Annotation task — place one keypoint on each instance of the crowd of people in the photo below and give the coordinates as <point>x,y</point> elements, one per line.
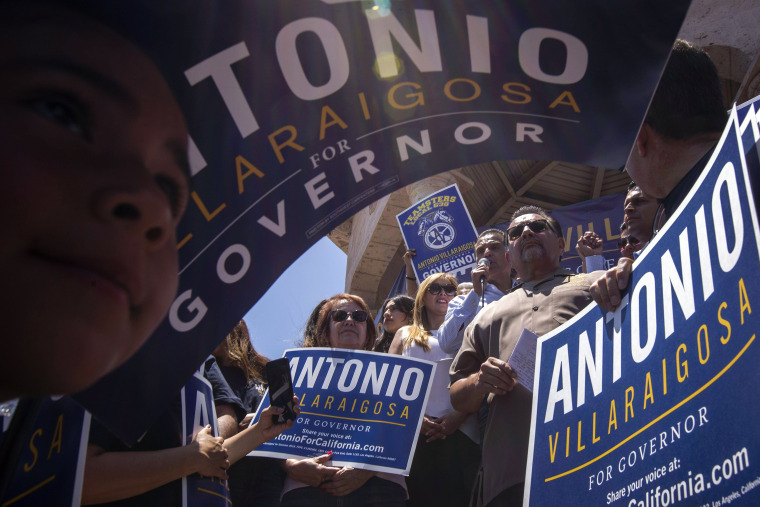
<point>473,444</point>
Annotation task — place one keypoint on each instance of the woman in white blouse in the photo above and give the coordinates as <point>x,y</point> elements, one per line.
<point>447,456</point>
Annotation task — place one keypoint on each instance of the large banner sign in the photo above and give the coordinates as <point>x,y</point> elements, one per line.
<point>440,228</point>
<point>602,216</point>
<point>303,112</point>
<point>656,404</point>
<point>365,407</point>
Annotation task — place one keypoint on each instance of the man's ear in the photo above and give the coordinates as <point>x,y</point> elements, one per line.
<point>643,139</point>
<point>561,240</point>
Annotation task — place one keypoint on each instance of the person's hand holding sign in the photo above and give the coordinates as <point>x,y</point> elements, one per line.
<point>310,471</point>
<point>441,427</point>
<point>431,429</point>
<point>495,376</point>
<point>347,480</point>
<point>211,456</point>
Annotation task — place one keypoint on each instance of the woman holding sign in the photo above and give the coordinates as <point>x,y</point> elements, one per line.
<point>344,322</point>
<point>447,456</point>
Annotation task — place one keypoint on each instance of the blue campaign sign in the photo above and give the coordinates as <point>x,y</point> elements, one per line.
<point>440,228</point>
<point>365,407</point>
<point>198,410</point>
<point>602,216</point>
<point>655,404</point>
<point>51,467</point>
<point>302,112</point>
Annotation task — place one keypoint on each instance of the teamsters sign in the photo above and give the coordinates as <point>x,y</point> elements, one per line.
<point>656,404</point>
<point>365,407</point>
<point>440,229</point>
<point>303,112</point>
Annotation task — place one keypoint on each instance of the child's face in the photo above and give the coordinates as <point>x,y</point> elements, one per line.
<point>94,172</point>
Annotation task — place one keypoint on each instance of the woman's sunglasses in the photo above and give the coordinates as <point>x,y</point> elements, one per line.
<point>630,240</point>
<point>537,226</point>
<point>436,288</point>
<point>341,315</point>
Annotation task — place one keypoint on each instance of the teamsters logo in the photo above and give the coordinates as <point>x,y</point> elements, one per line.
<point>437,229</point>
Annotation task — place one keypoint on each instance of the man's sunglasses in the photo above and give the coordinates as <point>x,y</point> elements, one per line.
<point>436,288</point>
<point>341,315</point>
<point>630,240</point>
<point>537,226</point>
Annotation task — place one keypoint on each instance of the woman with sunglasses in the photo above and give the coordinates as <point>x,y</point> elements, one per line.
<point>447,455</point>
<point>344,322</point>
<point>397,313</point>
<point>628,244</point>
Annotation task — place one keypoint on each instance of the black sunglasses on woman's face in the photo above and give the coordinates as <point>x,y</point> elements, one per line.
<point>436,288</point>
<point>356,315</point>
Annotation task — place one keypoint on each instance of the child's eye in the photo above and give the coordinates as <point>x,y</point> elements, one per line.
<point>66,112</point>
<point>175,192</point>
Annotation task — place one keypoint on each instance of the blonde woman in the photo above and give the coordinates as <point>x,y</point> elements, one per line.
<point>447,455</point>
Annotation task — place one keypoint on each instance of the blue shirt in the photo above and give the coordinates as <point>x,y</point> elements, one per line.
<point>462,310</point>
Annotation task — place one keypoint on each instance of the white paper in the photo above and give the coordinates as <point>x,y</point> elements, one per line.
<point>523,358</point>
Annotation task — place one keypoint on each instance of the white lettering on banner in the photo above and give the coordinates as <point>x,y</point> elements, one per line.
<point>416,386</point>
<point>485,133</point>
<point>357,372</point>
<point>639,352</point>
<point>644,307</point>
<point>362,161</point>
<point>308,371</point>
<point>221,263</point>
<point>219,68</point>
<point>384,31</point>
<point>427,57</point>
<point>477,34</point>
<point>422,147</point>
<point>290,63</point>
<point>319,193</point>
<point>201,417</point>
<point>196,306</point>
<point>727,258</point>
<point>529,130</point>
<point>343,386</point>
<point>374,377</point>
<point>276,227</point>
<point>684,288</point>
<point>590,362</point>
<point>529,49</point>
<point>195,157</point>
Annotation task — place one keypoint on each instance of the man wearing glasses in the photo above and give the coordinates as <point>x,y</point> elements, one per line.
<point>683,124</point>
<point>490,281</point>
<point>545,298</point>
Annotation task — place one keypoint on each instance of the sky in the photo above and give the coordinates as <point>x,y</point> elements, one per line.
<point>279,317</point>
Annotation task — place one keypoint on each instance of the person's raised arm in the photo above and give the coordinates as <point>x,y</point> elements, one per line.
<point>590,248</point>
<point>411,280</point>
<point>461,311</point>
<point>227,420</point>
<point>111,476</point>
<point>238,446</point>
